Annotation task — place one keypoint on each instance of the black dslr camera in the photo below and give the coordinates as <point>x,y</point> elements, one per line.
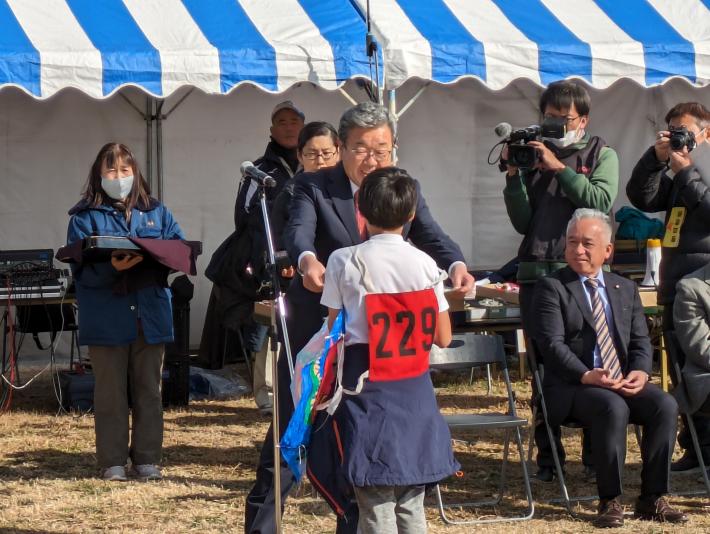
<point>680,137</point>
<point>520,154</point>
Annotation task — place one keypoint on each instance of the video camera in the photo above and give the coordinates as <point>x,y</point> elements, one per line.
<point>680,137</point>
<point>520,154</point>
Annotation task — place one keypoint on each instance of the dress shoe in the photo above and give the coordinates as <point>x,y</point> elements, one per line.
<point>687,462</point>
<point>658,509</point>
<point>547,474</point>
<point>610,514</point>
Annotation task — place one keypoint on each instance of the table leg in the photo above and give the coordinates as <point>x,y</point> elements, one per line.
<point>522,351</point>
<point>664,364</point>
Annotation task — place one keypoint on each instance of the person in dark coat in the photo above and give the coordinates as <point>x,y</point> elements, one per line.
<point>236,268</point>
<point>667,180</point>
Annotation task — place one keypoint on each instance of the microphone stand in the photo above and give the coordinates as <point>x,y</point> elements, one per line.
<point>277,305</point>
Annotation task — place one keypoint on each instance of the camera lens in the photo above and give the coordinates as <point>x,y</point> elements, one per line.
<point>677,142</point>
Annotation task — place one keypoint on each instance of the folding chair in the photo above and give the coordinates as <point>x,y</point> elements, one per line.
<point>479,350</point>
<point>460,366</point>
<point>564,494</point>
<point>674,349</point>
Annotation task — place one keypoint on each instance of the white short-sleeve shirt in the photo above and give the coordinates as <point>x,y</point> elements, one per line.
<point>394,265</point>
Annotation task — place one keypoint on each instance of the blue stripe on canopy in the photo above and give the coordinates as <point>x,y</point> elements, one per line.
<point>454,50</point>
<point>19,60</point>
<point>561,54</point>
<point>340,24</point>
<point>244,54</point>
<point>126,54</point>
<point>665,51</point>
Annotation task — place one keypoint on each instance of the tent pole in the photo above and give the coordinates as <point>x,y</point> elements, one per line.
<point>392,108</point>
<point>159,147</point>
<point>149,139</point>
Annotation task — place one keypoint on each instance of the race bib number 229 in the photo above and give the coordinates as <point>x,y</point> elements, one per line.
<point>401,329</point>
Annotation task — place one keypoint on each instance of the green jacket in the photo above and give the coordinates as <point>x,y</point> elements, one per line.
<point>540,204</point>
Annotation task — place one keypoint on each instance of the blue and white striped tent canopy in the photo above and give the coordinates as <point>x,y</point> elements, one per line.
<point>99,46</point>
<point>499,41</point>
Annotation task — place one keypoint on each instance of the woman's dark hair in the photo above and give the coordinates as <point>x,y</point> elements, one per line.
<point>561,95</point>
<point>316,129</point>
<point>387,197</point>
<point>696,110</point>
<point>112,153</point>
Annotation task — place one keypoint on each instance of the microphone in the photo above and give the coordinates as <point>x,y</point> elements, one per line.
<point>503,129</point>
<point>259,176</point>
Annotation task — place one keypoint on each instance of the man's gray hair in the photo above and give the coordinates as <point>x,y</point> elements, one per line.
<point>364,115</point>
<point>588,213</point>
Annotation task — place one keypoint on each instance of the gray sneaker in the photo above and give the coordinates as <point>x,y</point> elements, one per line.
<point>147,472</point>
<point>115,473</point>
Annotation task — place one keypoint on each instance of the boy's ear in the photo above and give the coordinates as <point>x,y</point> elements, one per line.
<point>411,217</point>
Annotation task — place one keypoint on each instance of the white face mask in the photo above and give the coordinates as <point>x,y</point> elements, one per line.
<point>570,138</point>
<point>117,189</point>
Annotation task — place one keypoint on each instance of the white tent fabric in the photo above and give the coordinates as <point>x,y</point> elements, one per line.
<point>46,149</point>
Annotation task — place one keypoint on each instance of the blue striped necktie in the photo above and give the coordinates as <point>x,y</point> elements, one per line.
<point>607,350</point>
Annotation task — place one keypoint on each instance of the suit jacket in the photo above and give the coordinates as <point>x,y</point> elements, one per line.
<point>565,335</point>
<point>691,316</point>
<point>322,219</point>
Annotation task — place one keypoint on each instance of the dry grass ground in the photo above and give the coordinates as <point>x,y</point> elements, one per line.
<point>48,477</point>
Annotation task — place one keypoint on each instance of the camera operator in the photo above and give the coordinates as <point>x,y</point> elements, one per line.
<point>665,179</point>
<point>575,171</point>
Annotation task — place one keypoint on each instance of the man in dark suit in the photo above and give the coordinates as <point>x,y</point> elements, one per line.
<point>592,333</point>
<point>323,218</point>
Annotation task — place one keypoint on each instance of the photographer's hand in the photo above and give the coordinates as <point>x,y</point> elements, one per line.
<point>662,146</point>
<point>547,159</point>
<point>512,169</point>
<point>680,159</point>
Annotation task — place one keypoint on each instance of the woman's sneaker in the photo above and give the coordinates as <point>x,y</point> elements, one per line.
<point>147,472</point>
<point>115,473</point>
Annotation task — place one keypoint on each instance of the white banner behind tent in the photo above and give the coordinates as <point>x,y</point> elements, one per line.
<point>444,139</point>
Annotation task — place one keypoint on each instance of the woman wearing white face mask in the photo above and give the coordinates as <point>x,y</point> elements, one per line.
<point>126,331</point>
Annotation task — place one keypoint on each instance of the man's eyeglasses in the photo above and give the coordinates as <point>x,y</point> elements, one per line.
<point>325,154</point>
<point>568,119</point>
<point>380,154</point>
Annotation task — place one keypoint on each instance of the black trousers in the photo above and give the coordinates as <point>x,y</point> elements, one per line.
<point>606,414</point>
<point>702,422</point>
<point>259,515</point>
<point>542,439</point>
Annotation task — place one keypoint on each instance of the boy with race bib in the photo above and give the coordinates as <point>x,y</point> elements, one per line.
<point>392,438</point>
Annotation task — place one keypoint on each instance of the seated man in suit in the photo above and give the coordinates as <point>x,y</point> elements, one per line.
<point>691,316</point>
<point>592,333</point>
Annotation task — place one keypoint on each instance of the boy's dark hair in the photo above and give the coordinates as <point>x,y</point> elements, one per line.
<point>561,95</point>
<point>387,197</point>
<point>696,110</point>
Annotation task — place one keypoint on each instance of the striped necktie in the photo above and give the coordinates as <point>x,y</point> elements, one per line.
<point>607,350</point>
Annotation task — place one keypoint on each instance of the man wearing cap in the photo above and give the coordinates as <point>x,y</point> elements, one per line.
<point>280,162</point>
